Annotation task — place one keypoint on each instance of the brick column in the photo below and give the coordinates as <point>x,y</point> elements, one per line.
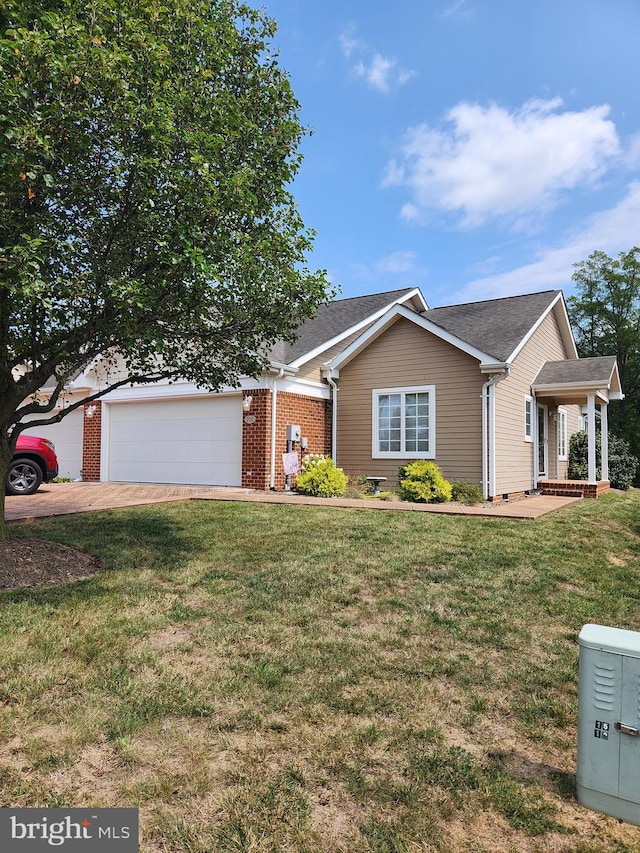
<point>91,441</point>
<point>313,416</point>
<point>256,440</point>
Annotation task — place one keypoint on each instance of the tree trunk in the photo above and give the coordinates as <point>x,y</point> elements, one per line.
<point>5,457</point>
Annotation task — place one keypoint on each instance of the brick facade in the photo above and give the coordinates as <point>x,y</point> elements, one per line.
<point>574,488</point>
<point>256,441</point>
<point>312,415</point>
<point>91,443</point>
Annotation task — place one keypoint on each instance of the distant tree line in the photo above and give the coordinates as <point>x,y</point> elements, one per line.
<point>605,315</point>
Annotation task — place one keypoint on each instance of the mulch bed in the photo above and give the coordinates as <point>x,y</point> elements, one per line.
<point>29,563</point>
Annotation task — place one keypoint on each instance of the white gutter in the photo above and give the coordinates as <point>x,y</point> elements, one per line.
<point>274,407</point>
<point>334,415</point>
<point>489,432</point>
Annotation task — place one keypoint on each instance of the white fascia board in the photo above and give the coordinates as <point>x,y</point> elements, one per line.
<point>496,367</point>
<point>566,333</point>
<point>166,391</point>
<point>305,387</point>
<point>567,387</point>
<point>391,316</point>
<point>413,294</point>
<point>287,369</point>
<point>186,390</point>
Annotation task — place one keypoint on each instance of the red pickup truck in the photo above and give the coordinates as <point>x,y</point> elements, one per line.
<point>34,461</point>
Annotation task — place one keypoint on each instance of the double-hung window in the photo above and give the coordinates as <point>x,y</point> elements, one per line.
<point>404,422</point>
<point>528,418</point>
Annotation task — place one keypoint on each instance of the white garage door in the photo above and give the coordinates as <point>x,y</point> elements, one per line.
<point>176,441</point>
<point>67,437</point>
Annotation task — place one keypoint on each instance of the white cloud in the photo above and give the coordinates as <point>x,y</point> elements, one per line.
<point>611,231</point>
<point>397,262</point>
<point>458,10</point>
<point>377,72</point>
<point>400,264</point>
<point>349,44</point>
<point>632,154</point>
<point>380,72</point>
<point>491,163</point>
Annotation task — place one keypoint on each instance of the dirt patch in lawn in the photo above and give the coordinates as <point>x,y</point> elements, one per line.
<point>28,563</point>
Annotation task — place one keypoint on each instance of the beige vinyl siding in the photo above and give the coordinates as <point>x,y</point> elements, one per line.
<point>402,356</point>
<point>312,370</point>
<point>514,455</point>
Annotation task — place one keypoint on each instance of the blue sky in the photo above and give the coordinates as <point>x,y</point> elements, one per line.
<point>473,148</point>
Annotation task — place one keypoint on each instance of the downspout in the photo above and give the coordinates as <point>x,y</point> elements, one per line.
<point>334,416</point>
<point>274,407</point>
<point>489,432</point>
<point>485,460</point>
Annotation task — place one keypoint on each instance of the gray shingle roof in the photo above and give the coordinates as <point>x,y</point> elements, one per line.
<point>332,320</point>
<point>495,326</point>
<point>594,371</point>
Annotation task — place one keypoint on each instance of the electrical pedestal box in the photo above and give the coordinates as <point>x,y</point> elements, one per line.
<point>608,766</point>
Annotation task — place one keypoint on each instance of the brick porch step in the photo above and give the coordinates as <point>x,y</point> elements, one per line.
<point>573,488</point>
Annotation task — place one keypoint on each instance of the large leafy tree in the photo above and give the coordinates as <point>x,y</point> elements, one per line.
<point>146,155</point>
<point>605,314</point>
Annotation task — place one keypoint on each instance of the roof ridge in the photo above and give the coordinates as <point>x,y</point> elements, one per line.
<point>496,299</point>
<point>372,295</point>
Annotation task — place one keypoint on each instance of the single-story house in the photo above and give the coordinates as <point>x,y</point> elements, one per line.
<point>490,391</point>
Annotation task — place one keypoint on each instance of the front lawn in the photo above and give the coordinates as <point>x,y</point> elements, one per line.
<point>291,679</point>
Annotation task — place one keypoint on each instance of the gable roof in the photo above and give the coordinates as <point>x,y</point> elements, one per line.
<point>498,327</point>
<point>493,331</point>
<point>339,319</point>
<point>588,374</point>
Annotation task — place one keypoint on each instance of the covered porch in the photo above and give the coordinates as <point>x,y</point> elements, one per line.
<point>590,384</point>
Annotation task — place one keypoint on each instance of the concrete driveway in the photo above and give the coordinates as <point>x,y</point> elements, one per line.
<point>68,498</point>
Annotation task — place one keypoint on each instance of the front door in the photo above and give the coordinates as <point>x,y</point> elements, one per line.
<point>543,441</point>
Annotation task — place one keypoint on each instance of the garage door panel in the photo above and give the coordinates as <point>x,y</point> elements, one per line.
<point>177,473</point>
<point>170,451</point>
<point>176,410</point>
<point>172,430</point>
<point>177,441</point>
<point>67,437</point>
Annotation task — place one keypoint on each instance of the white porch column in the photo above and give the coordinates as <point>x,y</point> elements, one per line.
<point>591,433</point>
<point>535,432</point>
<point>604,435</point>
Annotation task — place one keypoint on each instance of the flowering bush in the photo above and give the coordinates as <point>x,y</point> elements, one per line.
<point>422,482</point>
<point>320,477</point>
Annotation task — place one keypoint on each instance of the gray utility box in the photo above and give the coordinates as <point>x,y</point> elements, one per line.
<point>608,771</point>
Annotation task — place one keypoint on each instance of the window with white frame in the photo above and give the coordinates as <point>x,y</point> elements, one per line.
<point>404,422</point>
<point>561,426</point>
<point>528,418</point>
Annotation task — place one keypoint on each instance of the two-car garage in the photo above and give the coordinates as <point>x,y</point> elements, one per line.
<point>185,441</point>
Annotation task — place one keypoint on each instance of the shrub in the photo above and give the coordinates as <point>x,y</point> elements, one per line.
<point>422,482</point>
<point>320,478</point>
<point>622,464</point>
<point>465,492</point>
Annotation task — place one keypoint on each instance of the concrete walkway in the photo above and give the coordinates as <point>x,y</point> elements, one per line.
<point>68,498</point>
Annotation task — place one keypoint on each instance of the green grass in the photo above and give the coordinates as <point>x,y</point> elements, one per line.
<point>268,679</point>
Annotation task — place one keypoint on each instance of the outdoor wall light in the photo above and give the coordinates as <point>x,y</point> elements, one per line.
<point>90,411</point>
<point>246,403</point>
